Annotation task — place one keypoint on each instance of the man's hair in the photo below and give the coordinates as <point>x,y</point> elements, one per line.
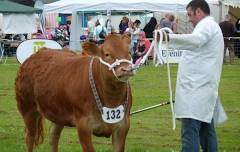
<point>202,4</point>
<point>137,22</point>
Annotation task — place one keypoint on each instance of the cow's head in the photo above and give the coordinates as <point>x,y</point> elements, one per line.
<point>115,54</point>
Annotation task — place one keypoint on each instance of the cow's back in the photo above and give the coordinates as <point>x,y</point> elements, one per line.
<point>53,80</point>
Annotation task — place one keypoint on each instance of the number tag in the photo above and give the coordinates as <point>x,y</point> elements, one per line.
<point>113,115</point>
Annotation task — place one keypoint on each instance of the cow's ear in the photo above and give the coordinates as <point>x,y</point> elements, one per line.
<point>90,48</point>
<point>126,38</point>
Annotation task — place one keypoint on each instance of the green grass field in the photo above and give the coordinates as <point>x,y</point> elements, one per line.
<point>151,131</point>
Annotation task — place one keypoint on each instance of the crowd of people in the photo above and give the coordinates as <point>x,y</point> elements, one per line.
<point>133,30</point>
<point>140,38</point>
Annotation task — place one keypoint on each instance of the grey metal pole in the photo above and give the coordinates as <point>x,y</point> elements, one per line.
<point>220,15</point>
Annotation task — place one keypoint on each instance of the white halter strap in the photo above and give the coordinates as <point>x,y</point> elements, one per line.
<point>115,64</point>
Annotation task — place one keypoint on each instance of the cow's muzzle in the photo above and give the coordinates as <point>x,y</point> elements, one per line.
<point>123,72</point>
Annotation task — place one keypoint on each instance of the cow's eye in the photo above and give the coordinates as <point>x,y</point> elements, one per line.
<point>106,55</point>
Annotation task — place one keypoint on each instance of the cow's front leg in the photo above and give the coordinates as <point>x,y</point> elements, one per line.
<point>55,132</point>
<point>85,135</point>
<point>119,136</point>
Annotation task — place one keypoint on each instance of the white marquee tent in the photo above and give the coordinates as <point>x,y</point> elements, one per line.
<point>16,18</point>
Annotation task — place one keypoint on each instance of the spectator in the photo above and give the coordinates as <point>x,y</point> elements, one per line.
<point>228,31</point>
<point>135,34</point>
<point>1,34</point>
<point>237,43</point>
<point>157,27</point>
<point>108,26</point>
<point>150,27</point>
<point>165,22</point>
<point>238,25</point>
<point>98,28</point>
<point>68,27</point>
<point>37,35</point>
<point>123,25</point>
<point>173,23</point>
<point>90,27</point>
<point>143,46</point>
<point>129,32</point>
<point>49,35</point>
<point>130,27</point>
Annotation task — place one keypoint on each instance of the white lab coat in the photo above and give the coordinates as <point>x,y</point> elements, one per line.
<point>199,70</point>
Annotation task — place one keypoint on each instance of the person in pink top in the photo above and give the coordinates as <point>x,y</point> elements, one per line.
<point>143,46</point>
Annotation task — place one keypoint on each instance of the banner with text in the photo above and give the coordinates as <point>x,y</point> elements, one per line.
<point>29,47</point>
<point>174,56</point>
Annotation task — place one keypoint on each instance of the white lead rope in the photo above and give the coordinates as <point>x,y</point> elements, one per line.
<point>170,83</point>
<point>157,55</point>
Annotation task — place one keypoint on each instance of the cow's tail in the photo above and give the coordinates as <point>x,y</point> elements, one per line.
<point>39,131</point>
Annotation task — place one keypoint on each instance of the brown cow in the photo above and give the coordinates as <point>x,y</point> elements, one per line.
<point>62,86</point>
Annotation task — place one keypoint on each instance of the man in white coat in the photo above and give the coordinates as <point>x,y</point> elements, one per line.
<point>198,78</point>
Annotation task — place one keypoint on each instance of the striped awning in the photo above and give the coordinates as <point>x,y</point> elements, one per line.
<point>233,3</point>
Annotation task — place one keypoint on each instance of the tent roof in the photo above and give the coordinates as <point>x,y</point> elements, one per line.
<point>233,3</point>
<point>68,6</point>
<point>11,7</point>
<point>131,7</point>
<point>68,2</point>
<point>32,2</point>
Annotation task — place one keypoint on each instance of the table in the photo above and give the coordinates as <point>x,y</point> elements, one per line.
<point>11,43</point>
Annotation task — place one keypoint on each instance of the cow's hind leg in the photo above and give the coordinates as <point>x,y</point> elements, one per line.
<point>55,133</point>
<point>34,129</point>
<point>33,121</point>
<point>85,135</point>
